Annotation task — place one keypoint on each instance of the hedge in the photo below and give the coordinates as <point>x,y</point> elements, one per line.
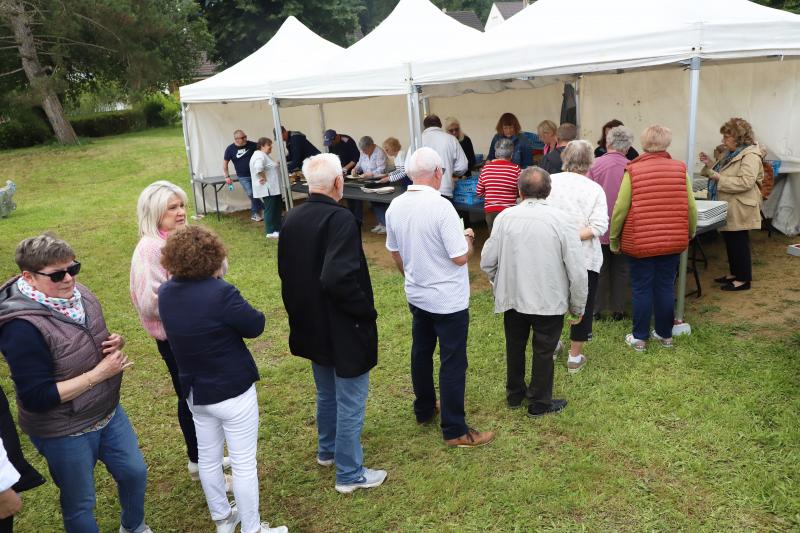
<point>109,123</point>
<point>24,128</point>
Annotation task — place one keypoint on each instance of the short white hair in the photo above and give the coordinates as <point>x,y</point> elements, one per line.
<point>423,163</point>
<point>577,157</point>
<point>620,139</point>
<point>321,170</point>
<point>153,203</point>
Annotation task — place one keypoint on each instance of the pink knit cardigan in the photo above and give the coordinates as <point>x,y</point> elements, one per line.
<point>147,275</point>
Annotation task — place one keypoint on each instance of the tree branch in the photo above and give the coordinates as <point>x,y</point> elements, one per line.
<point>11,72</point>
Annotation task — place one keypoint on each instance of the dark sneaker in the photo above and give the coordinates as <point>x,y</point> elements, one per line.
<point>514,404</point>
<point>536,410</point>
<point>471,439</point>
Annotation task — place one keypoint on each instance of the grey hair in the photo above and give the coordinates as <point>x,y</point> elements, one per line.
<point>619,138</point>
<point>35,253</point>
<point>534,182</point>
<point>153,203</point>
<point>504,148</point>
<point>365,142</point>
<point>577,157</point>
<point>321,170</point>
<point>423,163</point>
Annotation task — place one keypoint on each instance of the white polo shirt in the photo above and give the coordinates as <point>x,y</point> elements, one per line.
<point>453,157</point>
<point>425,229</point>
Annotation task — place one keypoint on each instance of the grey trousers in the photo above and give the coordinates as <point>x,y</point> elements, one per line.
<point>614,288</point>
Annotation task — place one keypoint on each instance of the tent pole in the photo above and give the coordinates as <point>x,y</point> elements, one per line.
<point>410,108</point>
<point>189,156</point>
<point>285,184</point>
<point>681,327</point>
<point>417,117</point>
<point>322,120</point>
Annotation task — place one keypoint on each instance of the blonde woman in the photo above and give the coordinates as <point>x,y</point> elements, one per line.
<point>546,130</point>
<point>453,127</point>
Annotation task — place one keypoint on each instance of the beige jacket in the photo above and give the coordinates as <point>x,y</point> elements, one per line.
<point>738,185</point>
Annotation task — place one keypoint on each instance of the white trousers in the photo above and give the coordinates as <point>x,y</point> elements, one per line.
<point>234,421</point>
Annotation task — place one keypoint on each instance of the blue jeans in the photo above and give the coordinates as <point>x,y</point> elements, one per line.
<point>451,330</point>
<point>380,212</point>
<point>341,404</point>
<point>255,203</point>
<point>71,461</point>
<point>652,292</point>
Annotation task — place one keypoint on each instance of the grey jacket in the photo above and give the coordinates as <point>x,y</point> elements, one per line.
<point>75,349</point>
<point>535,262</point>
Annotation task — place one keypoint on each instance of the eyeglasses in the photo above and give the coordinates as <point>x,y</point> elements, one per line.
<point>453,130</point>
<point>59,275</point>
<point>240,138</point>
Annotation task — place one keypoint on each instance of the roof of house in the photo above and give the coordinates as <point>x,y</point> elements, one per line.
<point>509,9</point>
<point>206,68</point>
<point>467,18</point>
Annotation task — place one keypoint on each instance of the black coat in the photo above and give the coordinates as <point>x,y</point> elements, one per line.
<point>551,162</point>
<point>326,287</point>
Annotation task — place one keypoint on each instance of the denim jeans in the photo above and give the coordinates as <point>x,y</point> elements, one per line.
<point>255,203</point>
<point>652,288</point>
<point>71,461</point>
<point>184,414</point>
<point>380,212</point>
<point>451,330</point>
<point>273,207</point>
<point>341,404</point>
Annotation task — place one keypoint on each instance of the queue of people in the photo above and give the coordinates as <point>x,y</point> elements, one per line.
<point>552,249</point>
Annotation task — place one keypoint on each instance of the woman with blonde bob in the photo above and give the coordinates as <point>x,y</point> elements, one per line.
<point>652,221</point>
<point>546,130</point>
<point>161,210</point>
<point>453,127</point>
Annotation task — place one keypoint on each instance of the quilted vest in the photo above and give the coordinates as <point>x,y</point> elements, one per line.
<point>75,349</point>
<point>658,220</point>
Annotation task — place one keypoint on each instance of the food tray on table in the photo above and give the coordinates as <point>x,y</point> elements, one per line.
<point>379,189</point>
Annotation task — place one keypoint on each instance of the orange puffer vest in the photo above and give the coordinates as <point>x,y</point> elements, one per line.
<point>658,220</point>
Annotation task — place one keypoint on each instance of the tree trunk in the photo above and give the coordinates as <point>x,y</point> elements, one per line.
<point>20,21</point>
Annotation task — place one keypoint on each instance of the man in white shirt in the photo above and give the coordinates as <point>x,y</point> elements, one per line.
<point>431,249</point>
<point>454,160</point>
<point>536,266</point>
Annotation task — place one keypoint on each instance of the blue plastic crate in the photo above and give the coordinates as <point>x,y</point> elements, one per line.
<point>465,185</point>
<point>776,165</point>
<point>467,199</point>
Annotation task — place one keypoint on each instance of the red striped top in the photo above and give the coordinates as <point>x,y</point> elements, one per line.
<point>498,185</point>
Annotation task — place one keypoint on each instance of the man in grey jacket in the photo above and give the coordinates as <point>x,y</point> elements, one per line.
<point>535,263</point>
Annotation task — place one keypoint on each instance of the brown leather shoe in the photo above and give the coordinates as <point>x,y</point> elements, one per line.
<point>471,439</point>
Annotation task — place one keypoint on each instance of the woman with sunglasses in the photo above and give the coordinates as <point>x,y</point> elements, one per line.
<point>453,127</point>
<point>67,370</point>
<point>161,211</point>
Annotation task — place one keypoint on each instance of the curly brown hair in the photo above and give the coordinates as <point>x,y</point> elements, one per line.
<point>193,252</point>
<point>739,129</point>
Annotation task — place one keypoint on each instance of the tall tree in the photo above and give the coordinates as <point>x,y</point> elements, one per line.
<point>242,26</point>
<point>69,45</point>
<point>377,10</point>
<point>786,5</point>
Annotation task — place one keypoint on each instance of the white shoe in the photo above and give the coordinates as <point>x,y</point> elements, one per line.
<point>266,529</point>
<point>145,530</point>
<point>229,524</point>
<point>376,228</point>
<point>369,479</point>
<point>256,218</point>
<point>666,343</point>
<point>194,469</point>
<point>559,347</point>
<point>273,235</point>
<point>325,462</point>
<point>381,230</point>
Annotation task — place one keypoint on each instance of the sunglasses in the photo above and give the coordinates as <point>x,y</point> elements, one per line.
<point>240,138</point>
<point>59,275</point>
<point>453,130</point>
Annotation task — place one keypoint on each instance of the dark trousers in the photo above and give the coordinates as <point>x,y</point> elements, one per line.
<point>582,331</point>
<point>614,286</point>
<point>737,244</point>
<point>8,432</point>
<point>184,414</point>
<point>652,286</point>
<point>273,207</point>
<point>7,525</point>
<point>357,208</point>
<point>546,332</point>
<point>451,330</point>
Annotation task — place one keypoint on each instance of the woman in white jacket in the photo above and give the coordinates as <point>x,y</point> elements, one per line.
<point>267,186</point>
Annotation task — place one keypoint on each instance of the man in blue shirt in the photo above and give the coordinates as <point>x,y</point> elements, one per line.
<point>240,153</point>
<point>346,148</point>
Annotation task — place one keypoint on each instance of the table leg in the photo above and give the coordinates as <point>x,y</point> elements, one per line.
<point>216,200</point>
<point>203,193</point>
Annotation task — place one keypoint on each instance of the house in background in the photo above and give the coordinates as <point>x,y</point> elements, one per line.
<point>502,11</point>
<point>467,18</point>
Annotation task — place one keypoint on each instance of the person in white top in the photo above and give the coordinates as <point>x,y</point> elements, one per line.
<point>267,186</point>
<point>371,163</point>
<point>585,201</point>
<point>10,503</point>
<point>431,249</point>
<point>454,161</point>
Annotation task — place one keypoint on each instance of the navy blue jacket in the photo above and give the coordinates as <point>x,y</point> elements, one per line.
<point>523,150</point>
<point>205,321</point>
<point>300,149</point>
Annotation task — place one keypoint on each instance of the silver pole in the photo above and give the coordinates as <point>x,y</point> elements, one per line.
<point>188,148</point>
<point>322,120</point>
<point>694,87</point>
<point>417,117</point>
<point>285,183</point>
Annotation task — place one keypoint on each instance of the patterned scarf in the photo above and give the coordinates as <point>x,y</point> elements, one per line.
<point>71,308</point>
<point>712,185</point>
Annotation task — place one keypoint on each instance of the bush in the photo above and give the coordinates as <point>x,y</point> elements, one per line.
<point>160,110</point>
<point>110,123</point>
<point>24,128</point>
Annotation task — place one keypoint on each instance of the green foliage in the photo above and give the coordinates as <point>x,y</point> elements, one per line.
<point>159,110</point>
<point>786,5</point>
<point>377,10</point>
<point>100,97</point>
<point>108,123</point>
<point>25,127</point>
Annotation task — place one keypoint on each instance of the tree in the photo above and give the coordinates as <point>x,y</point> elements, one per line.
<point>786,5</point>
<point>242,26</point>
<point>65,46</point>
<point>377,10</point>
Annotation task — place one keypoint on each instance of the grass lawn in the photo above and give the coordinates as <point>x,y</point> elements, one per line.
<point>703,437</point>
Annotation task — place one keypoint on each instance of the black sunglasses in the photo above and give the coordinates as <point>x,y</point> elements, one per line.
<point>59,275</point>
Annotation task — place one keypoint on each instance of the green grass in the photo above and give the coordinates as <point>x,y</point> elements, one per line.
<point>702,437</point>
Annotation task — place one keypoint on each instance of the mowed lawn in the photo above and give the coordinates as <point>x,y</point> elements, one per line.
<point>702,437</point>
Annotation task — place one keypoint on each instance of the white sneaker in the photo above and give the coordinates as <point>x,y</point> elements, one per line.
<point>326,462</point>
<point>381,230</point>
<point>266,529</point>
<point>369,479</point>
<point>229,524</point>
<point>376,228</point>
<point>666,343</point>
<point>194,469</point>
<point>559,347</point>
<point>273,235</point>
<point>257,218</point>
<point>145,530</point>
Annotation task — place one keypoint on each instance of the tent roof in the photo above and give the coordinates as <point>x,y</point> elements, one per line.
<point>378,64</point>
<point>293,51</point>
<point>556,37</point>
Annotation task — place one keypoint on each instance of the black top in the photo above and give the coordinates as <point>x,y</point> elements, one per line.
<point>240,156</point>
<point>326,287</point>
<point>205,321</point>
<point>300,149</point>
<point>31,365</point>
<point>551,162</point>
<point>631,155</point>
<point>469,151</point>
<point>346,149</point>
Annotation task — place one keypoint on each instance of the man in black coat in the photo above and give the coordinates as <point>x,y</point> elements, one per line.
<point>565,133</point>
<point>298,148</point>
<point>327,293</point>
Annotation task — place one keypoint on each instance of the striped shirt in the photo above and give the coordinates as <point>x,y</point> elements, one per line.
<point>498,184</point>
